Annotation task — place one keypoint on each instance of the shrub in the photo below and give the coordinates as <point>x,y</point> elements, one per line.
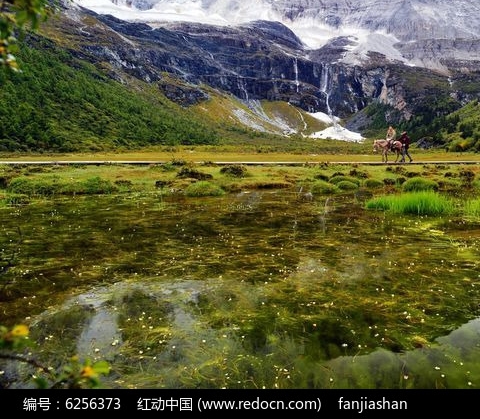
<point>358,174</point>
<point>373,183</point>
<point>203,188</point>
<point>74,375</point>
<point>166,167</point>
<point>322,187</point>
<point>346,185</point>
<point>453,185</point>
<point>389,181</point>
<point>16,199</point>
<point>45,187</point>
<point>417,183</point>
<point>97,185</point>
<point>124,183</point>
<point>236,170</point>
<point>187,172</point>
<point>467,175</point>
<point>340,178</point>
<point>21,186</point>
<point>476,184</point>
<point>461,144</point>
<point>322,176</point>
<point>4,182</point>
<point>29,187</point>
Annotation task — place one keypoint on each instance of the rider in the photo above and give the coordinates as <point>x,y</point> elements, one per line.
<point>391,136</point>
<point>405,140</point>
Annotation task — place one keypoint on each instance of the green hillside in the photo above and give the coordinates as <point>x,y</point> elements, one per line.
<point>460,130</point>
<point>59,103</point>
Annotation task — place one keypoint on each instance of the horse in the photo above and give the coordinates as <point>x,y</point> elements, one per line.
<point>385,148</point>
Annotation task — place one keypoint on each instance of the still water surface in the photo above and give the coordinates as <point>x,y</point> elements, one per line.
<point>255,290</point>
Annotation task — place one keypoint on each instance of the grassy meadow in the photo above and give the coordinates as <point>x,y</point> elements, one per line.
<point>293,150</point>
<point>212,171</point>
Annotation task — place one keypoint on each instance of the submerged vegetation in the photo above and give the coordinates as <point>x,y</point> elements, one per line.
<point>182,275</point>
<point>190,274</point>
<point>420,189</point>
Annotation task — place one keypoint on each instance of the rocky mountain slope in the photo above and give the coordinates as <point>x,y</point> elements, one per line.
<point>431,71</point>
<point>426,33</point>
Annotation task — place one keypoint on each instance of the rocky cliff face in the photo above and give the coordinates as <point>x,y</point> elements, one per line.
<point>412,21</point>
<point>266,60</point>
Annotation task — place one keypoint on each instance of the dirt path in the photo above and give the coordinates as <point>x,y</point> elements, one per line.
<point>223,163</point>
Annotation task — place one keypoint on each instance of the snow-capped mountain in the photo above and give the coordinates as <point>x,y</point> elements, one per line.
<point>416,32</point>
<point>408,60</point>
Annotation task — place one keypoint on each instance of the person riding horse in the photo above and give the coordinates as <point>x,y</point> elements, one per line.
<point>391,136</point>
<point>383,146</point>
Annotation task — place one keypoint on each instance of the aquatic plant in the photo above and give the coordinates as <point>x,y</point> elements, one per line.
<point>472,208</point>
<point>416,203</point>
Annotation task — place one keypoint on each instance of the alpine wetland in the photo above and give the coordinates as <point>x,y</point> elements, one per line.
<point>192,198</point>
<point>200,275</point>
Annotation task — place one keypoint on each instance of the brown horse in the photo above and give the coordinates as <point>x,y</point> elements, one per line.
<point>382,145</point>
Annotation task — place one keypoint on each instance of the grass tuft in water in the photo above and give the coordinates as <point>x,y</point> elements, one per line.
<point>48,187</point>
<point>323,187</point>
<point>203,188</point>
<point>472,208</point>
<point>346,185</point>
<point>416,184</point>
<point>416,203</point>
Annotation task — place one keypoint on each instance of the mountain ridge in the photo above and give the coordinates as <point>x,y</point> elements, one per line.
<point>382,26</point>
<point>259,78</point>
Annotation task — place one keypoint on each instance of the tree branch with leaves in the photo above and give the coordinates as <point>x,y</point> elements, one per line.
<point>74,375</point>
<point>17,17</point>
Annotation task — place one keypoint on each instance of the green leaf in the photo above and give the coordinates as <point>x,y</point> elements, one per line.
<point>101,367</point>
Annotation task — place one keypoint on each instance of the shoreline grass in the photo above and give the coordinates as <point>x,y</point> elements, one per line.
<point>345,153</point>
<point>414,203</point>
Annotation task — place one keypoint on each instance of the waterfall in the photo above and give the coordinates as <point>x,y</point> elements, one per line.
<point>324,79</point>
<point>324,88</point>
<point>295,71</point>
<point>241,86</point>
<point>324,82</point>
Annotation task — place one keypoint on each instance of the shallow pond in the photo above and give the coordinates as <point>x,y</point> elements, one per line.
<point>255,290</point>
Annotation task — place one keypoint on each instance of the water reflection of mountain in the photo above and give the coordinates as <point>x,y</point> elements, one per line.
<point>228,290</point>
<point>451,362</point>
